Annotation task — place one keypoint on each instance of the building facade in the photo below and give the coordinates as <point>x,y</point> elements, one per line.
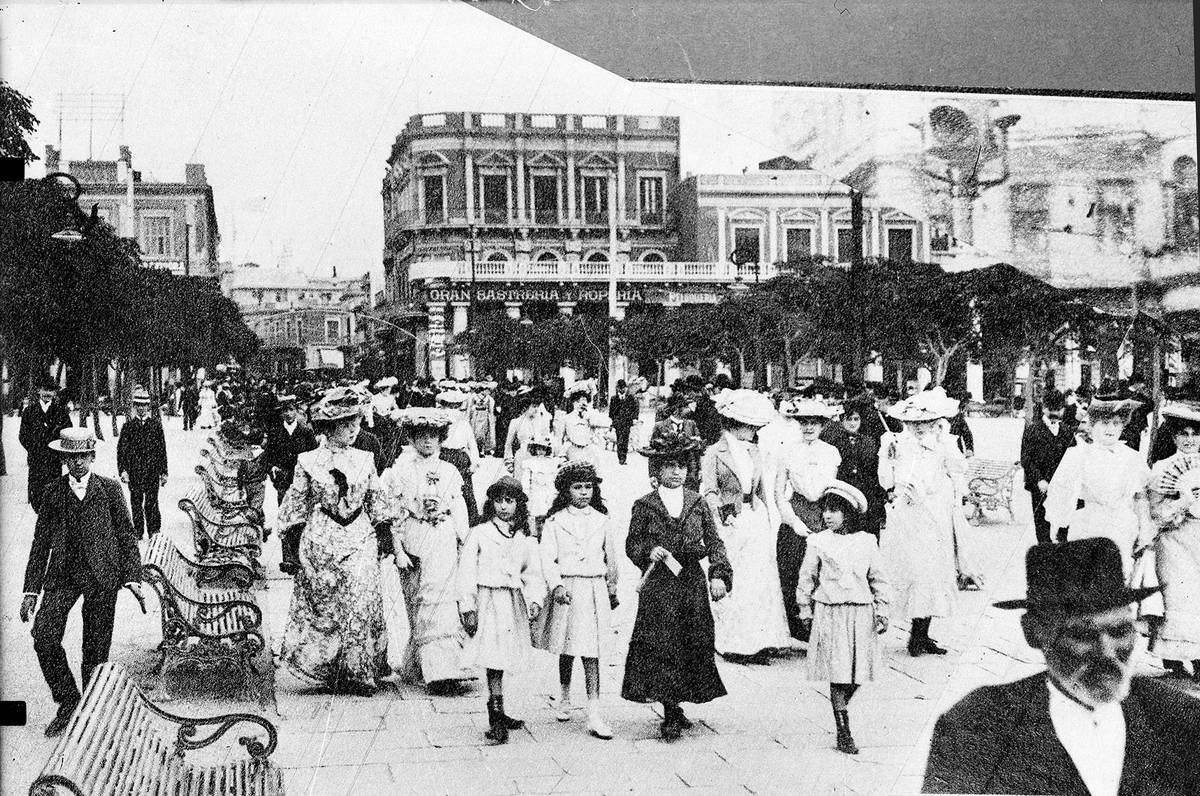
<point>529,214</point>
<point>304,322</point>
<point>175,223</point>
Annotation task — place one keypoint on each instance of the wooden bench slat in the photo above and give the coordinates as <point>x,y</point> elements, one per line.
<point>105,744</point>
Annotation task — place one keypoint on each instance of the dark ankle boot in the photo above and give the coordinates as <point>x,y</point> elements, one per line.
<point>675,713</point>
<point>916,638</point>
<point>928,644</point>
<point>1175,668</point>
<point>509,722</point>
<point>498,732</point>
<point>845,741</point>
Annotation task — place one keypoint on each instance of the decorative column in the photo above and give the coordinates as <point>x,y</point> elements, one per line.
<point>522,216</point>
<point>772,235</point>
<point>621,218</point>
<point>826,247</point>
<point>460,316</point>
<point>722,245</point>
<point>975,379</point>
<point>469,177</point>
<point>436,312</point>
<point>571,217</point>
<point>875,236</point>
<point>513,309</point>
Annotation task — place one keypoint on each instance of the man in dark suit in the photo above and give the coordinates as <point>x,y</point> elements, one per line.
<point>1042,447</point>
<point>189,404</point>
<point>1086,725</point>
<point>142,463</point>
<point>875,423</point>
<point>40,423</point>
<point>83,546</point>
<point>623,411</point>
<point>1135,389</point>
<point>287,438</point>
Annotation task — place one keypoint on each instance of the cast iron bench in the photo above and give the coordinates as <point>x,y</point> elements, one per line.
<point>990,485</point>
<point>210,572</point>
<point>119,742</point>
<point>204,627</point>
<point>220,530</point>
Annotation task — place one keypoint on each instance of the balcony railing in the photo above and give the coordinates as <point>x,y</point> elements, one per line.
<point>586,271</point>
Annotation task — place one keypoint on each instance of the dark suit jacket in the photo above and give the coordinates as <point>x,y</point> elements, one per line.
<point>142,450</point>
<point>108,543</point>
<point>1041,452</point>
<point>623,411</point>
<point>1000,739</point>
<point>37,430</point>
<point>282,448</point>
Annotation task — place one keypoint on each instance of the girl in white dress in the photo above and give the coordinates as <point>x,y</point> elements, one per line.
<point>537,479</point>
<point>208,407</point>
<point>842,577</point>
<point>579,563</point>
<point>500,589</point>
<point>751,622</point>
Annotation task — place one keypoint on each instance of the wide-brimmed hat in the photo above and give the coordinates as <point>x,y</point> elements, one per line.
<point>451,397</point>
<point>74,440</point>
<point>339,403</point>
<point>140,396</point>
<point>425,417</point>
<point>285,401</point>
<point>586,387</point>
<point>850,493</point>
<point>925,406</point>
<point>1082,576</point>
<point>386,381</point>
<point>746,406</point>
<point>575,472</point>
<point>506,485</point>
<point>670,444</point>
<point>1181,413</point>
<point>808,407</point>
<point>1107,406</point>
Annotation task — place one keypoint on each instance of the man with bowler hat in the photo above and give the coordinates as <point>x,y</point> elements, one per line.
<point>40,423</point>
<point>1043,445</point>
<point>1086,726</point>
<point>83,546</point>
<point>142,463</point>
<point>623,410</point>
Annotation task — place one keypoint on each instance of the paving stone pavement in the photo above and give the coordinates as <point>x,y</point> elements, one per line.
<point>773,733</point>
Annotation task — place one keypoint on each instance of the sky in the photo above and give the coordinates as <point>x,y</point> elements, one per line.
<point>293,108</point>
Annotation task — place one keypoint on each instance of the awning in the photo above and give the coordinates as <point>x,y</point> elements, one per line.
<point>331,358</point>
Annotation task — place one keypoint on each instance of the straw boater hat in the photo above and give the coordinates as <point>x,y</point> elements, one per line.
<point>74,440</point>
<point>746,406</point>
<point>140,396</point>
<point>386,381</point>
<point>1181,413</point>
<point>925,406</point>
<point>670,444</point>
<point>285,401</point>
<point>1081,576</point>
<point>575,472</point>
<point>850,493</point>
<point>806,408</point>
<point>1111,406</point>
<point>339,403</point>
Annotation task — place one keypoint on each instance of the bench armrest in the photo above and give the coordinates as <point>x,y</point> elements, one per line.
<point>190,726</point>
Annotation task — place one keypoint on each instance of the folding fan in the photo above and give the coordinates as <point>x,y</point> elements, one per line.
<point>1180,477</point>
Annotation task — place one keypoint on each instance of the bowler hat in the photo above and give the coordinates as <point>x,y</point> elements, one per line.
<point>74,440</point>
<point>1081,576</point>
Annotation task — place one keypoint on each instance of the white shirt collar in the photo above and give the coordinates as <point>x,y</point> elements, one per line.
<point>672,499</point>
<point>45,405</point>
<point>291,427</point>
<point>1093,738</point>
<point>79,487</point>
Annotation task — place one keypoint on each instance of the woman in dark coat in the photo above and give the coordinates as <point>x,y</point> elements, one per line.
<point>671,652</point>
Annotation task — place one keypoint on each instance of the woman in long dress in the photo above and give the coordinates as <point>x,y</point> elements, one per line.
<point>1175,507</point>
<point>917,468</point>
<point>578,438</point>
<point>532,423</point>
<point>428,491</point>
<point>208,407</point>
<point>335,633</point>
<point>806,466</point>
<point>481,414</point>
<point>751,621</point>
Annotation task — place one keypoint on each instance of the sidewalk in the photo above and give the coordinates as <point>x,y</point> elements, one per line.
<point>773,733</point>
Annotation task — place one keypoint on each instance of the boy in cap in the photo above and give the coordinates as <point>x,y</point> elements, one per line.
<point>142,463</point>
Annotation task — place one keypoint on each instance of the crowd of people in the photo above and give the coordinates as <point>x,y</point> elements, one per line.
<point>841,517</point>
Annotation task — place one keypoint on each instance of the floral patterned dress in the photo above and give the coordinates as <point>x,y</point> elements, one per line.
<point>335,633</point>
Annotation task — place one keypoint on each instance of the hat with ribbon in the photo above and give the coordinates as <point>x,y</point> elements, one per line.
<point>74,440</point>
<point>1181,414</point>
<point>925,406</point>
<point>574,473</point>
<point>1109,406</point>
<point>848,492</point>
<point>140,396</point>
<point>670,444</point>
<point>452,398</point>
<point>1080,576</point>
<point>424,417</point>
<point>807,408</point>
<point>749,407</point>
<point>338,403</point>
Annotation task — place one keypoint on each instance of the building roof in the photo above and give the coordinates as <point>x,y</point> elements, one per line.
<point>280,279</point>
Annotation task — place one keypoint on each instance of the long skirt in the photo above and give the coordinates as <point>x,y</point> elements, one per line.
<point>1178,563</point>
<point>917,545</point>
<point>435,641</point>
<point>843,647</point>
<point>671,650</point>
<point>504,639</point>
<point>335,633</point>
<point>577,627</point>
<point>752,618</point>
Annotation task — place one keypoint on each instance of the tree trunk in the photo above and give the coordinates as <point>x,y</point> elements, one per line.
<point>95,397</point>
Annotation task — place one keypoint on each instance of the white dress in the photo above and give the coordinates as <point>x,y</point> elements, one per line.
<point>578,552</point>
<point>208,409</point>
<point>751,618</point>
<point>1177,551</point>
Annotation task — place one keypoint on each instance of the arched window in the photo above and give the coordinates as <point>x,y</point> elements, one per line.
<point>1184,221</point>
<point>497,257</point>
<point>547,257</point>
<point>653,257</point>
<point>597,257</point>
